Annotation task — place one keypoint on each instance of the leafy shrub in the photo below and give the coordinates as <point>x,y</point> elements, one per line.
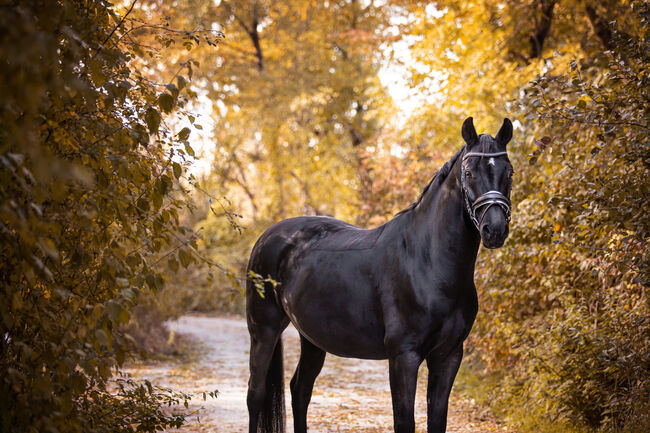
<point>565,313</point>
<point>87,171</point>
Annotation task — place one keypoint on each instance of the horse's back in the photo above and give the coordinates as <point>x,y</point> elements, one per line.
<point>276,242</point>
<point>316,232</point>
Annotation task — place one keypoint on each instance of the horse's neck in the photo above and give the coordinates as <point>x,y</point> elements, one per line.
<point>443,227</point>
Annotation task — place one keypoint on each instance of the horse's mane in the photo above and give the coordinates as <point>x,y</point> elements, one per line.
<point>435,182</point>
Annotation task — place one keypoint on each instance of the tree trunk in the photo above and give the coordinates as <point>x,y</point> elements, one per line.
<point>542,29</point>
<point>601,29</point>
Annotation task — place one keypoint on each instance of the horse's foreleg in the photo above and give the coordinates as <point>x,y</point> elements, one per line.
<point>441,378</point>
<point>403,370</point>
<point>302,383</point>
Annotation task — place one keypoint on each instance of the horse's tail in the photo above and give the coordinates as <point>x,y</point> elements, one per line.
<point>272,415</point>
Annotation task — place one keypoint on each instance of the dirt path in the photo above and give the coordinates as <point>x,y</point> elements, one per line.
<point>350,395</point>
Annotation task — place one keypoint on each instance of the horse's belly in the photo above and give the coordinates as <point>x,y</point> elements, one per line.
<point>341,340</point>
<point>345,321</point>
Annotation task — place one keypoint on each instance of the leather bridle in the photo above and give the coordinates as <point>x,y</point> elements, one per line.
<point>485,200</point>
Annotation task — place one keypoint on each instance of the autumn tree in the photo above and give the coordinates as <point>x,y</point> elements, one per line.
<point>299,78</point>
<point>295,97</point>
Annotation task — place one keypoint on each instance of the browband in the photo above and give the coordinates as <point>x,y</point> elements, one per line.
<point>467,155</point>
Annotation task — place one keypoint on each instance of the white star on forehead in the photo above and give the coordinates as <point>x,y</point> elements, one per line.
<point>491,161</point>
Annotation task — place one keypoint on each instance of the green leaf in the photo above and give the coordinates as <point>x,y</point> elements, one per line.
<point>124,316</point>
<point>181,82</point>
<point>113,309</point>
<point>120,356</point>
<point>97,73</point>
<point>178,170</point>
<point>157,200</point>
<point>152,117</point>
<point>43,385</point>
<point>160,282</point>
<point>172,89</point>
<point>102,338</point>
<point>78,382</point>
<point>143,204</point>
<point>151,281</point>
<point>133,260</point>
<point>166,102</point>
<point>157,227</point>
<point>184,134</point>
<point>185,257</point>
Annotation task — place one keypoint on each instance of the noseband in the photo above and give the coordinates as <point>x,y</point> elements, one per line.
<point>485,200</point>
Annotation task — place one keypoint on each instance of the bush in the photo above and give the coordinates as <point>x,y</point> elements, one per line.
<point>564,317</point>
<point>87,169</point>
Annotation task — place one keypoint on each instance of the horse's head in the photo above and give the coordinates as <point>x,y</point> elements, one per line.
<point>486,177</point>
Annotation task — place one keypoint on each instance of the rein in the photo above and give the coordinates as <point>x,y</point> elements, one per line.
<point>485,200</point>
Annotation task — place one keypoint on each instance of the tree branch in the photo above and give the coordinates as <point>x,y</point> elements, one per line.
<point>601,29</point>
<point>120,23</point>
<point>305,191</point>
<point>252,31</point>
<point>542,29</point>
<point>255,37</point>
<point>239,20</point>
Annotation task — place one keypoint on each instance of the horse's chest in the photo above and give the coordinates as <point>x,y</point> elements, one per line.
<point>441,324</point>
<point>449,332</point>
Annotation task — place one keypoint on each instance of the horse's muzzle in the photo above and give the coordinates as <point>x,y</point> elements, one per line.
<point>494,228</point>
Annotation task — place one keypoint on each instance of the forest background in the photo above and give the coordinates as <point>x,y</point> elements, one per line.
<point>107,229</point>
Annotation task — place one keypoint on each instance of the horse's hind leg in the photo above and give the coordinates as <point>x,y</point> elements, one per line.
<point>266,383</point>
<point>302,383</point>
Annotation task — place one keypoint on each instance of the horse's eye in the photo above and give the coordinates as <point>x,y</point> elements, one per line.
<point>468,174</point>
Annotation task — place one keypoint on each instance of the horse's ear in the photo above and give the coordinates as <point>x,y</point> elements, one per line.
<point>468,131</point>
<point>505,133</point>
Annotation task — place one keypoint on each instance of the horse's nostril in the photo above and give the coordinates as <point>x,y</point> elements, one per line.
<point>486,230</point>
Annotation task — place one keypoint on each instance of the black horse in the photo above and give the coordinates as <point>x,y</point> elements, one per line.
<point>403,291</point>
